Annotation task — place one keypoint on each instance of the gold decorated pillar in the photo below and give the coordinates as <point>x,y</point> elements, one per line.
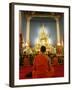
<point>58,30</point>
<point>21,38</point>
<point>28,30</point>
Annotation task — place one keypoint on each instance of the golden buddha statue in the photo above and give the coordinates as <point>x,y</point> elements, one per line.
<point>43,39</point>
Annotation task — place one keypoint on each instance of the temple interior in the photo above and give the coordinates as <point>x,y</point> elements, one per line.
<point>30,41</point>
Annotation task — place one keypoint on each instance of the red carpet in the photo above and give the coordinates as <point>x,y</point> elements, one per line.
<point>26,71</point>
<point>58,71</point>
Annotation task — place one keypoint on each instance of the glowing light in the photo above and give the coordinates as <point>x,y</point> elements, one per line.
<point>43,29</point>
<point>36,41</point>
<point>50,41</point>
<point>58,44</point>
<point>26,44</point>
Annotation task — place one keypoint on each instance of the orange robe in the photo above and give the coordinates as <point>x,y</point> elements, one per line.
<point>41,67</point>
<point>58,68</point>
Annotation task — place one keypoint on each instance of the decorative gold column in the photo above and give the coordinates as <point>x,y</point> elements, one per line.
<point>28,30</point>
<point>58,30</point>
<point>20,31</point>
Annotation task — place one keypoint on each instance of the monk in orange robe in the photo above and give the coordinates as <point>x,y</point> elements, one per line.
<point>58,68</point>
<point>41,66</point>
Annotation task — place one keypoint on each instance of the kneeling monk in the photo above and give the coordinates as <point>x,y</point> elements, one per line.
<point>41,66</point>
